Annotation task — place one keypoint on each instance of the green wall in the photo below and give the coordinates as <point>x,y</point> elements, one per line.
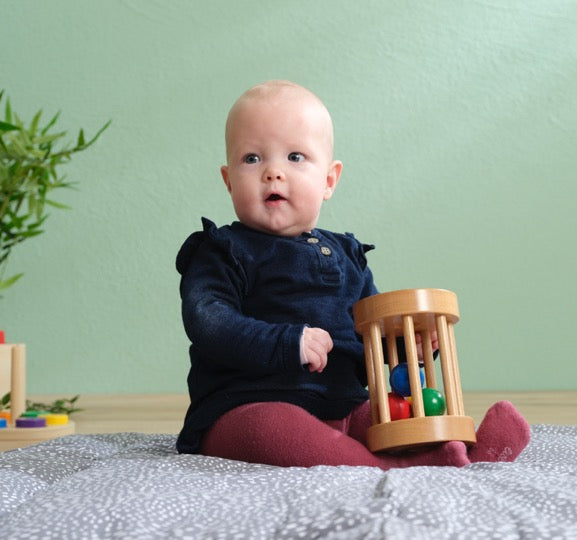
<point>455,120</point>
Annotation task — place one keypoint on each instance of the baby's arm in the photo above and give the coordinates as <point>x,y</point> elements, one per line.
<point>316,344</point>
<point>212,288</point>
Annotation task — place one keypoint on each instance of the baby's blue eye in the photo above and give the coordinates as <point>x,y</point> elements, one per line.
<point>251,158</point>
<point>296,157</point>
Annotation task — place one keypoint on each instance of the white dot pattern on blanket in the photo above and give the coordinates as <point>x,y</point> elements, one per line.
<point>134,486</point>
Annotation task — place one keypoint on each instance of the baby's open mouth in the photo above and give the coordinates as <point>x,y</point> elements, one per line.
<point>274,197</point>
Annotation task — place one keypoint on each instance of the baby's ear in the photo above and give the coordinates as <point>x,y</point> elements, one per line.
<point>333,177</point>
<point>224,173</point>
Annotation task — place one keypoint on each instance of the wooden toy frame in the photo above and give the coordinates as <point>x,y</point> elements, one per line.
<point>407,313</point>
<point>13,357</point>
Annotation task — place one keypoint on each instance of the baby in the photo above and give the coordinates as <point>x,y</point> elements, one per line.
<point>277,371</point>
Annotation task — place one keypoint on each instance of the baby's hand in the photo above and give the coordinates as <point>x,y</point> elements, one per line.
<point>419,340</point>
<point>316,345</point>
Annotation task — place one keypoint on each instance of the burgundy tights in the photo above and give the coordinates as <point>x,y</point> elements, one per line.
<point>286,435</point>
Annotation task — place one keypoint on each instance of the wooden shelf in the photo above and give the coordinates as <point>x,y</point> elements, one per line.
<point>13,437</point>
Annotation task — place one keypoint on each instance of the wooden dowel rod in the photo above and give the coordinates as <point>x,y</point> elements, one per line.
<point>392,353</point>
<point>369,361</point>
<point>456,374</point>
<point>430,376</point>
<point>379,363</point>
<point>413,366</point>
<point>446,364</point>
<point>17,382</point>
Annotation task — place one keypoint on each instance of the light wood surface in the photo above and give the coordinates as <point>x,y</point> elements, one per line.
<point>558,407</point>
<point>142,413</point>
<point>164,413</point>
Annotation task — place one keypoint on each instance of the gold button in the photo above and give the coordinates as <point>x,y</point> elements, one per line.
<point>313,240</point>
<point>326,251</point>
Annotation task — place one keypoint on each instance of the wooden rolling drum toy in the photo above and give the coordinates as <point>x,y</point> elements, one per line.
<point>407,313</point>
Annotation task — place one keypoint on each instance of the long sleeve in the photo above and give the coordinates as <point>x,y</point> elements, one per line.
<point>212,291</point>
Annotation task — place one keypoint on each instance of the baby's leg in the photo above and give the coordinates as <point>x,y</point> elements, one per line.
<point>502,435</point>
<point>360,421</point>
<point>286,435</point>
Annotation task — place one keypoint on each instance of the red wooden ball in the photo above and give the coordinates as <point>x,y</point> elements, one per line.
<point>399,407</point>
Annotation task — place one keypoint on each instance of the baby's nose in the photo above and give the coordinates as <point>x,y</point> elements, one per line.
<point>273,174</point>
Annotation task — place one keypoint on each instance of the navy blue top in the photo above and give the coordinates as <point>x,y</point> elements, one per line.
<point>246,298</point>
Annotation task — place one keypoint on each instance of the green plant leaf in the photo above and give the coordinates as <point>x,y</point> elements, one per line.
<point>34,123</point>
<point>58,205</point>
<point>51,123</point>
<point>7,109</point>
<point>81,141</point>
<point>98,133</point>
<point>5,400</point>
<point>4,284</point>
<point>5,126</point>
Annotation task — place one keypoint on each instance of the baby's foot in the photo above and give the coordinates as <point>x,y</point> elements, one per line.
<point>449,454</point>
<point>502,435</point>
<point>452,454</point>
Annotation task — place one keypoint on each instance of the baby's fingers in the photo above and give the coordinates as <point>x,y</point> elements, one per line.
<point>317,359</point>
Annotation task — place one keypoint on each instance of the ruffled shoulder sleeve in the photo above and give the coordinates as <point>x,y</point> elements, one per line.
<point>210,232</point>
<point>359,249</point>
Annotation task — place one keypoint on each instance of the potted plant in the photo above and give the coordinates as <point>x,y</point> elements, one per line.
<point>31,157</point>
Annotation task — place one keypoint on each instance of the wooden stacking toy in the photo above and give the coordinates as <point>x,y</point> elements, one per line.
<point>22,431</point>
<point>405,314</point>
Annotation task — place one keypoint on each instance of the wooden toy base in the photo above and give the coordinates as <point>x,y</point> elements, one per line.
<point>423,431</point>
<point>12,437</point>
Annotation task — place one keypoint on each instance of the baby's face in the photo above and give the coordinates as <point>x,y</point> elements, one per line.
<point>280,167</point>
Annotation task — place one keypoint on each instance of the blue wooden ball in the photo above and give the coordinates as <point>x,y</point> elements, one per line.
<point>399,379</point>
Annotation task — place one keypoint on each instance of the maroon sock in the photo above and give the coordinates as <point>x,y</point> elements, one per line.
<point>502,435</point>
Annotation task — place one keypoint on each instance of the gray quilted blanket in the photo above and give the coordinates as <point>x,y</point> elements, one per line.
<point>131,485</point>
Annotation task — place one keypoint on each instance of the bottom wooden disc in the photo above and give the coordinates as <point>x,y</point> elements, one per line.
<point>423,431</point>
